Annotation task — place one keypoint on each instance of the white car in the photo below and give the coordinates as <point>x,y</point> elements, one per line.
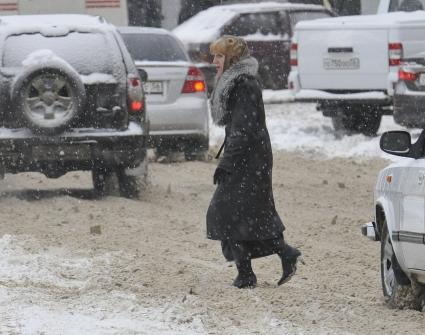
<point>175,88</point>
<point>400,221</point>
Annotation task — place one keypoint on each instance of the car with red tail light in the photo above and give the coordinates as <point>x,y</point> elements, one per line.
<point>409,95</point>
<point>71,99</point>
<point>175,90</point>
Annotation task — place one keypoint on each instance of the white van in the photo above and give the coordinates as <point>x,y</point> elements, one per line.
<point>114,11</point>
<point>349,65</point>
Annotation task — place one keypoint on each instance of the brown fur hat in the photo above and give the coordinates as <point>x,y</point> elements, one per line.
<point>233,48</point>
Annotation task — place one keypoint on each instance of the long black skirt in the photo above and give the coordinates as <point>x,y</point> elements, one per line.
<point>251,249</point>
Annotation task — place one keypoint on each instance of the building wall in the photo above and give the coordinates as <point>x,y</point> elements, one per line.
<point>170,13</point>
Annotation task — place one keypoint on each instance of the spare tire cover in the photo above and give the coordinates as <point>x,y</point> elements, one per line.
<point>48,96</point>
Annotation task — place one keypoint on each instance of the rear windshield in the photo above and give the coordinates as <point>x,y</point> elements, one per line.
<point>86,52</point>
<point>307,15</point>
<point>154,47</point>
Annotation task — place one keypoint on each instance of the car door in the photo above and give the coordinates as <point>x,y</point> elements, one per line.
<point>267,41</point>
<point>412,215</point>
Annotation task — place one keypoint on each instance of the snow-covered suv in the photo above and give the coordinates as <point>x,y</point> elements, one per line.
<point>71,99</point>
<point>400,220</point>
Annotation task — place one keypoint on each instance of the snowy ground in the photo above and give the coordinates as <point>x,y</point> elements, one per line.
<point>151,271</point>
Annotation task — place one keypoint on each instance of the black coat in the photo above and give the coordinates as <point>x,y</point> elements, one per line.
<point>242,208</point>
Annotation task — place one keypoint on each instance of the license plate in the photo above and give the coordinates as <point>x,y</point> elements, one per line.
<point>422,79</point>
<point>341,64</point>
<point>153,87</point>
<point>52,153</point>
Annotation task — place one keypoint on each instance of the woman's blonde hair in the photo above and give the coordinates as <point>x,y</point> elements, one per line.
<point>232,47</point>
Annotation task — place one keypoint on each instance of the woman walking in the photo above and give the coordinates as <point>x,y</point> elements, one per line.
<point>242,213</point>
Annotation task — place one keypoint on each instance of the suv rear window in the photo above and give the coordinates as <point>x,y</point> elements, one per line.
<point>86,52</point>
<point>298,16</point>
<point>154,47</point>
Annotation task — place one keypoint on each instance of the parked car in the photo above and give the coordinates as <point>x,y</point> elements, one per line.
<point>349,65</point>
<point>409,94</point>
<point>175,92</point>
<point>266,26</point>
<point>400,221</point>
<point>71,99</point>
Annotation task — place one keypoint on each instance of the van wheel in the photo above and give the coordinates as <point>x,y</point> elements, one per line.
<point>344,122</point>
<point>365,121</point>
<point>369,121</point>
<point>399,291</point>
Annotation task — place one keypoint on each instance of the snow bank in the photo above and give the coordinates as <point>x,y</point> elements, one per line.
<point>299,127</point>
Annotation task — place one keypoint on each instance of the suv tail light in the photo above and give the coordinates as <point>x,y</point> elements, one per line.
<point>407,76</point>
<point>194,82</point>
<point>135,94</point>
<point>395,54</point>
<point>294,54</point>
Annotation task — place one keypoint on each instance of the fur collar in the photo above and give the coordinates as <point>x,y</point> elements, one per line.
<point>225,84</point>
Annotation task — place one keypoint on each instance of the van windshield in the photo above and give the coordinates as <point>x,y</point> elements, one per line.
<point>154,47</point>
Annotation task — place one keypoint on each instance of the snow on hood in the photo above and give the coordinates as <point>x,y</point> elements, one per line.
<point>384,20</point>
<point>205,26</point>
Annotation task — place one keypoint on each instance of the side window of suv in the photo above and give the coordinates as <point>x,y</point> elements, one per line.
<point>255,23</point>
<point>297,16</point>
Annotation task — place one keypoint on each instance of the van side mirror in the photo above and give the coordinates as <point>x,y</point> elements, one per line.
<point>396,143</point>
<point>143,75</point>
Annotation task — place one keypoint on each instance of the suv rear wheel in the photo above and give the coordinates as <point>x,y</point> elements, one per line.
<point>399,290</point>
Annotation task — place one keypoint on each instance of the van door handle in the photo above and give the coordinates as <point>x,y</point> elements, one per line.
<point>340,50</point>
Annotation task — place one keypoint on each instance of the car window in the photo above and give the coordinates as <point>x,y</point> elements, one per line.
<point>406,5</point>
<point>297,16</point>
<point>154,47</point>
<point>73,48</point>
<point>255,23</point>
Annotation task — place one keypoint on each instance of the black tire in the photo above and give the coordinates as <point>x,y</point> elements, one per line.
<point>201,156</point>
<point>365,121</point>
<point>370,121</point>
<point>399,291</point>
<point>131,186</point>
<point>105,181</point>
<point>197,150</point>
<point>48,97</point>
<point>344,122</point>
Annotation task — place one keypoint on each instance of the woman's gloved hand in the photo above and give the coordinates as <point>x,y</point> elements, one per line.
<point>220,176</point>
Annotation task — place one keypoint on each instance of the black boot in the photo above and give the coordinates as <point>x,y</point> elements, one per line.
<point>289,257</point>
<point>246,277</point>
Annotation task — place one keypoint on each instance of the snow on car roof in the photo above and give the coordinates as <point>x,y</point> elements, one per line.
<point>52,24</point>
<point>143,30</point>
<point>383,20</point>
<point>205,26</point>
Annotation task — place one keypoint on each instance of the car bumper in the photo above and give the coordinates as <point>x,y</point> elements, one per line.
<point>187,115</point>
<point>409,109</point>
<point>75,149</point>
<point>376,97</point>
